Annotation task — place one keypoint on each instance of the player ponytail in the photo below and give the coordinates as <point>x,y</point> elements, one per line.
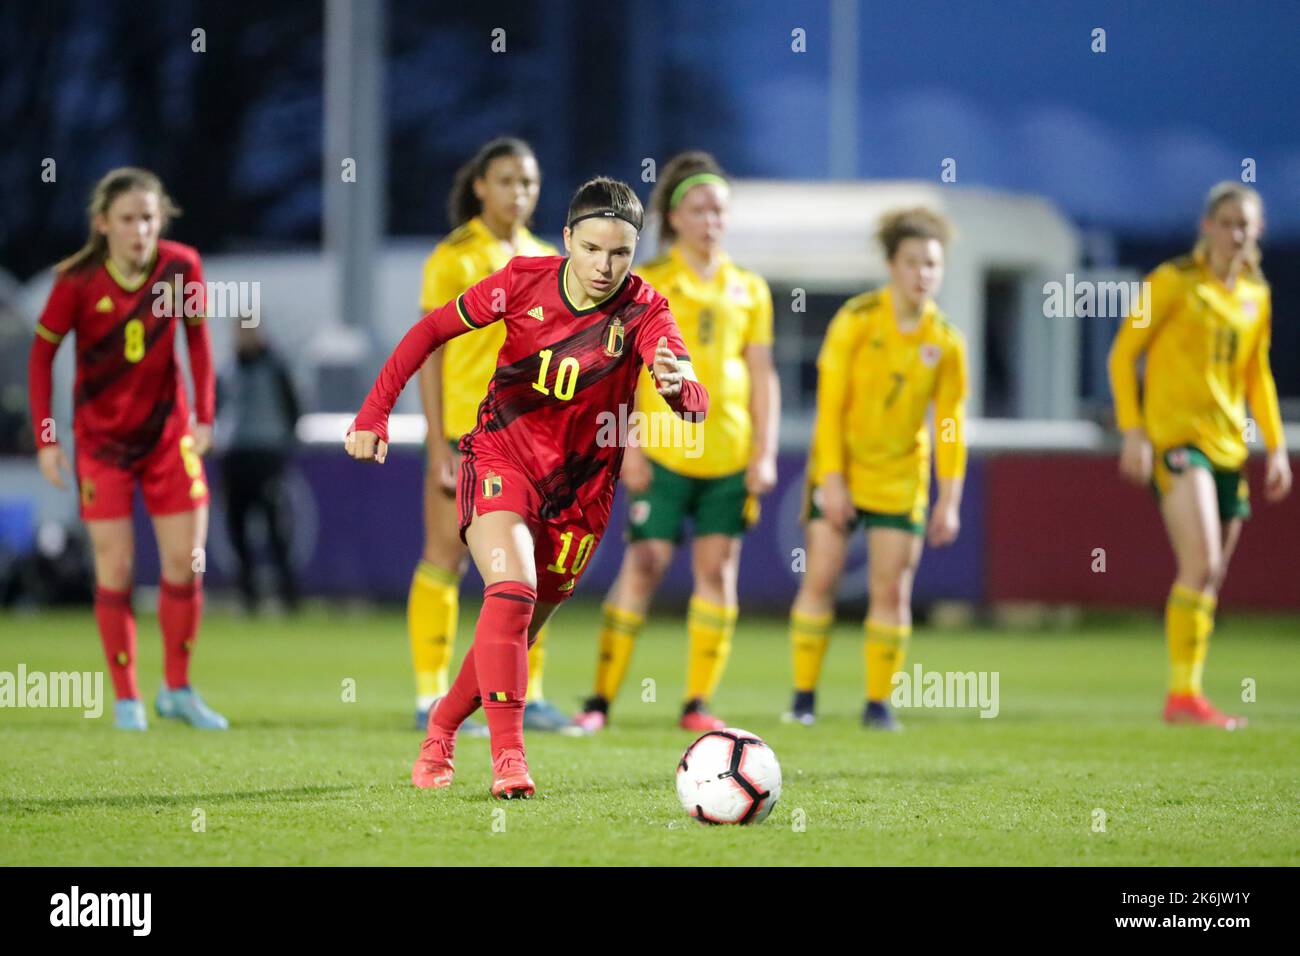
<point>606,197</point>
<point>918,223</point>
<point>666,195</point>
<point>462,204</point>
<point>1219,194</point>
<point>115,183</point>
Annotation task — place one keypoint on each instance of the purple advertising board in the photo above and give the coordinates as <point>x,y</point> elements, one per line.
<point>358,530</point>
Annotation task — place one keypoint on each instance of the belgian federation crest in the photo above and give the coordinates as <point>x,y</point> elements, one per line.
<point>614,338</point>
<point>930,355</point>
<point>491,485</point>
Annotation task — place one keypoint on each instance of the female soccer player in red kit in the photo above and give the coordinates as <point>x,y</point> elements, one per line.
<point>538,470</point>
<point>121,294</point>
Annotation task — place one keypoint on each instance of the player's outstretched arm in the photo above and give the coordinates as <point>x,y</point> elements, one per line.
<point>439,326</point>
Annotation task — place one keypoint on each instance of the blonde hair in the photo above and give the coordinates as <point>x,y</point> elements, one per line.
<point>919,223</point>
<point>114,183</point>
<point>1220,193</point>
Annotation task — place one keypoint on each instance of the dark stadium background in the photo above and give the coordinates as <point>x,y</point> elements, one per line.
<point>1125,143</point>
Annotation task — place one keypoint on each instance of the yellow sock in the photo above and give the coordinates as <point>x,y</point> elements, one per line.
<point>536,664</point>
<point>1189,619</point>
<point>431,611</point>
<point>709,627</point>
<point>617,638</point>
<point>884,649</point>
<point>809,636</point>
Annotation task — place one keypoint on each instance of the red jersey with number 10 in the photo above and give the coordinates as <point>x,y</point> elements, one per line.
<point>562,375</point>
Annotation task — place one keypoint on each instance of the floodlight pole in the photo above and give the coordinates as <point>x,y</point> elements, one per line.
<point>844,90</point>
<point>354,165</point>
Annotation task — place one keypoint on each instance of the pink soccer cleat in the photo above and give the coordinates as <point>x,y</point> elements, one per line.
<point>1197,709</point>
<point>695,717</point>
<point>510,776</point>
<point>434,767</point>
<point>590,721</point>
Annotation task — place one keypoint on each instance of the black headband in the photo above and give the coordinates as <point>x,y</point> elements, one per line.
<point>605,214</point>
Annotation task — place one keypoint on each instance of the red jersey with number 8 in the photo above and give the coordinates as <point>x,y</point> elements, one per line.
<point>128,387</point>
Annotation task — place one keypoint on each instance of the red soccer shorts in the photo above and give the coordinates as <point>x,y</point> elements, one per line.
<point>171,478</point>
<point>562,547</point>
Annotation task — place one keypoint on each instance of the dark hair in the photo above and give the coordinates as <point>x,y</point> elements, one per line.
<point>462,204</point>
<point>919,223</point>
<point>603,193</point>
<point>112,184</point>
<point>676,170</point>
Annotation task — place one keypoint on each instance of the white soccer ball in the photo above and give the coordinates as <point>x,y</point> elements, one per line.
<point>729,776</point>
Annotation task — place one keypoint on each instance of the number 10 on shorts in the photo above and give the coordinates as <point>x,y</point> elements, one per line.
<point>585,547</point>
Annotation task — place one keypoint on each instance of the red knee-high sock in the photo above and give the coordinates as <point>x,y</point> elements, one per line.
<point>117,634</point>
<point>460,701</point>
<point>501,660</point>
<point>179,607</point>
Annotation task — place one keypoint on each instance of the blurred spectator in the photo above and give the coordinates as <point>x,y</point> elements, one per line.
<point>259,411</point>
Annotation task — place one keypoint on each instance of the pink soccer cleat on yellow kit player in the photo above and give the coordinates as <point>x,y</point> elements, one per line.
<point>696,717</point>
<point>1197,709</point>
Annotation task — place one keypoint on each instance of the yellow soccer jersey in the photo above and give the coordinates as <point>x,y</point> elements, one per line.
<point>718,319</point>
<point>468,254</point>
<point>874,389</point>
<point>1206,354</point>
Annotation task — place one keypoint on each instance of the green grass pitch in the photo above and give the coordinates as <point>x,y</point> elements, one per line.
<point>303,777</point>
